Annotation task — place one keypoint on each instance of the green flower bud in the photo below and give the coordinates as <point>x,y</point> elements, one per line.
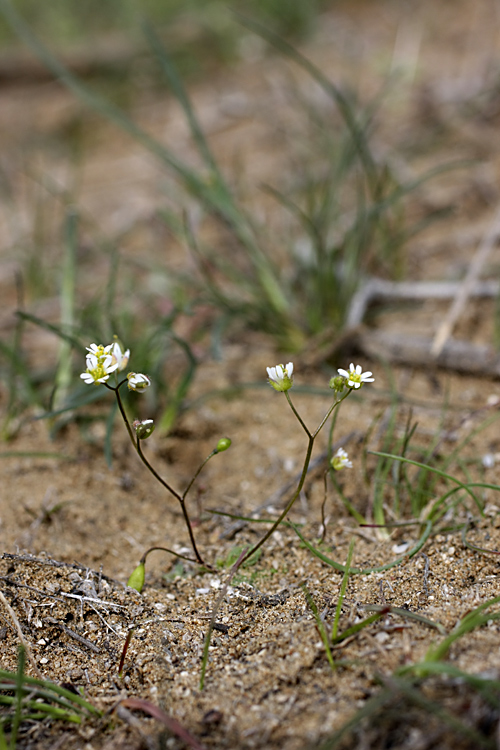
<point>337,384</point>
<point>136,580</point>
<point>223,445</point>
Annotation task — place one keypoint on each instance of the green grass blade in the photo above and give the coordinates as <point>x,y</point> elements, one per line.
<point>365,571</point>
<point>52,688</point>
<point>18,699</point>
<point>57,330</point>
<point>169,416</point>
<point>343,587</point>
<point>471,621</point>
<point>320,625</point>
<point>440,473</point>
<point>63,375</point>
<point>405,613</point>
<point>17,368</point>
<point>342,102</point>
<point>357,627</point>
<point>182,97</point>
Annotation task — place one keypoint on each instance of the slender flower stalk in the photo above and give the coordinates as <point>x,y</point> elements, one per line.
<point>101,362</point>
<point>136,442</point>
<point>310,445</point>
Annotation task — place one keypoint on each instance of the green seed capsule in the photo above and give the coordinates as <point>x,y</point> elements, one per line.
<point>136,580</point>
<point>143,429</point>
<point>223,445</point>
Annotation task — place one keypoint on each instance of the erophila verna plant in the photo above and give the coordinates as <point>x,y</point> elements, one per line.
<point>111,360</point>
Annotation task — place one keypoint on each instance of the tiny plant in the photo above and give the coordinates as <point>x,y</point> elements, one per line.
<point>108,362</point>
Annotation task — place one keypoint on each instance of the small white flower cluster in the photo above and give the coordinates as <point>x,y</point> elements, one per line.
<point>341,460</point>
<point>100,364</point>
<point>102,361</point>
<point>280,378</point>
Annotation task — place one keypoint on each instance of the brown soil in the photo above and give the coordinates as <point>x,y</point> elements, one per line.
<point>73,530</point>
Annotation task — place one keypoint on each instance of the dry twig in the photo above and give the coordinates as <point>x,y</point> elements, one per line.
<point>478,261</point>
<point>20,633</point>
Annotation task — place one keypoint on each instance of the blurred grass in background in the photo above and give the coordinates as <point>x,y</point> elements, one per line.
<point>203,32</point>
<point>344,211</point>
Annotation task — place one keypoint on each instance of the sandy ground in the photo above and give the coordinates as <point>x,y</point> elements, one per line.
<point>72,529</point>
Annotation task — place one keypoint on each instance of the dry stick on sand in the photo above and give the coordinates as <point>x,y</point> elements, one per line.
<point>457,355</point>
<point>480,257</point>
<point>374,289</point>
<point>23,640</point>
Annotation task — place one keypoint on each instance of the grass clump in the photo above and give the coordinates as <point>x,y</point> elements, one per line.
<point>24,698</point>
<point>347,215</point>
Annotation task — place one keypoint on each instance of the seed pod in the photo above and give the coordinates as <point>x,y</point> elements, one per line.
<point>136,580</point>
<point>223,445</point>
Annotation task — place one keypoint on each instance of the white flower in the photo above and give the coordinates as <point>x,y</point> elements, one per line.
<point>120,357</point>
<point>341,460</point>
<point>138,382</point>
<point>281,377</point>
<point>355,376</point>
<point>99,363</point>
<point>99,350</point>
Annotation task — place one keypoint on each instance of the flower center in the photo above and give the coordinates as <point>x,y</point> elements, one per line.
<point>98,372</point>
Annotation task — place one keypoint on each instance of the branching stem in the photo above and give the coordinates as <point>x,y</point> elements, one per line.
<point>136,442</point>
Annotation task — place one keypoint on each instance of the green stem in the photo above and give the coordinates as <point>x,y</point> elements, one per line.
<point>153,471</point>
<point>122,410</point>
<point>292,407</point>
<point>180,498</point>
<point>136,442</point>
<point>311,438</point>
<point>166,549</point>
<point>195,476</point>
